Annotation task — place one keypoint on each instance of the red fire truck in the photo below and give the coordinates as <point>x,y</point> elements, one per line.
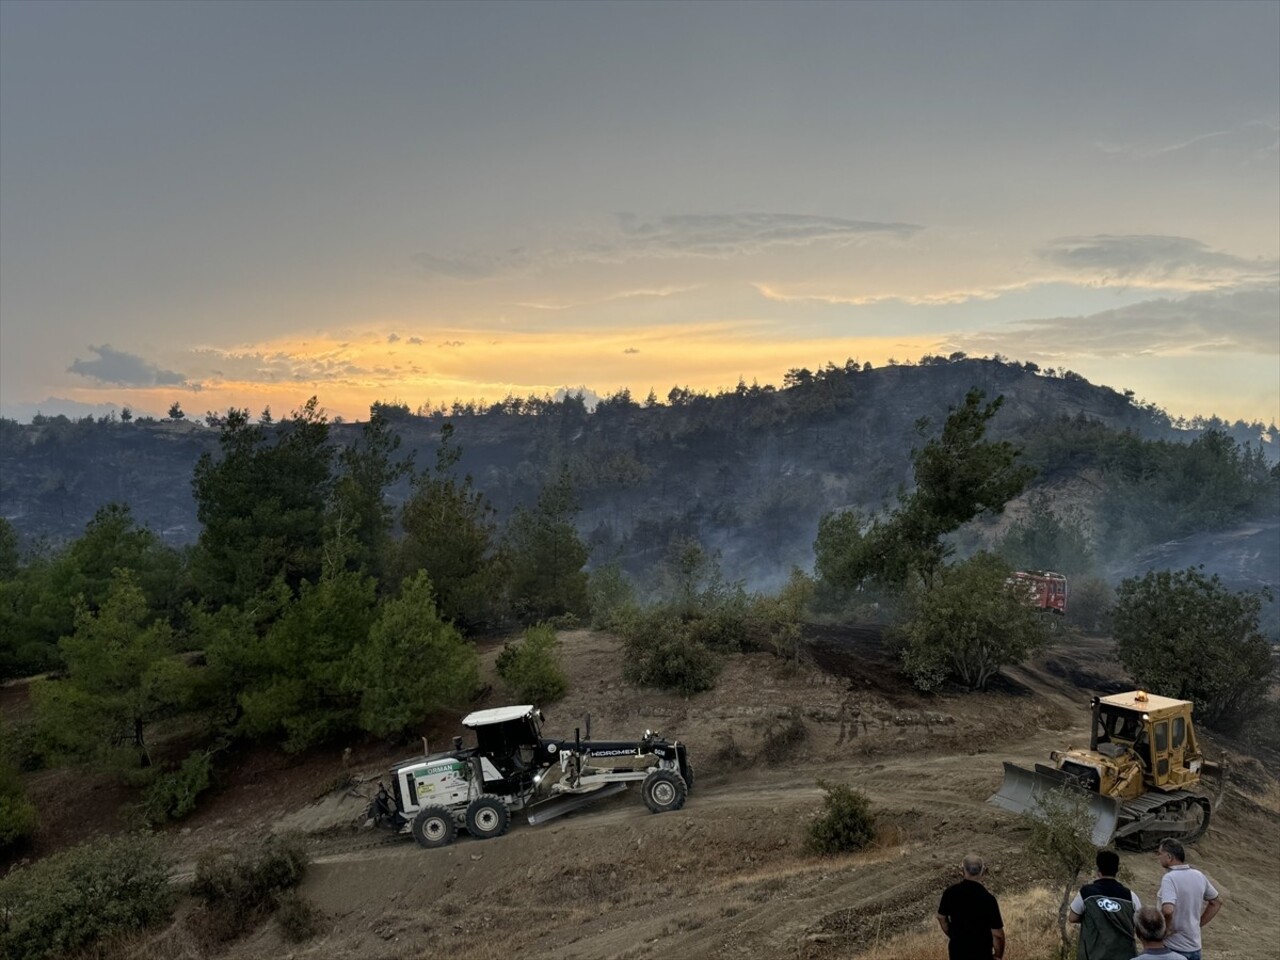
<point>1047,590</point>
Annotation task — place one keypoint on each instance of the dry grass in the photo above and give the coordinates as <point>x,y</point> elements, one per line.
<point>1030,924</point>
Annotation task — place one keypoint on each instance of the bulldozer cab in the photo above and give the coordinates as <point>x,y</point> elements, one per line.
<point>1157,729</point>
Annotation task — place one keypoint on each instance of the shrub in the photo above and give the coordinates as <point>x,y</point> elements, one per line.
<point>661,652</point>
<point>239,888</point>
<point>781,737</point>
<point>173,795</point>
<point>1185,635</point>
<point>1090,604</point>
<point>531,668</point>
<point>17,815</point>
<point>611,595</point>
<point>845,823</point>
<point>79,896</point>
<point>1061,839</point>
<point>968,624</point>
<point>298,917</point>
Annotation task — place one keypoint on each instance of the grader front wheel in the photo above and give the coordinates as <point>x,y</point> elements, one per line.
<point>663,791</point>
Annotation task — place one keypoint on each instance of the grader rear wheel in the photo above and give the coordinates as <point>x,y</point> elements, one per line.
<point>434,827</point>
<point>664,790</point>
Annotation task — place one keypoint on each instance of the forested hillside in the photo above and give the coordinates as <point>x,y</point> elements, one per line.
<point>746,472</point>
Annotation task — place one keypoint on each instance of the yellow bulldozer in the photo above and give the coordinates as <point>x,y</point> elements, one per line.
<point>1144,773</point>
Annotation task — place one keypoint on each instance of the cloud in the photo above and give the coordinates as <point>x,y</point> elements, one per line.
<point>610,298</point>
<point>415,341</point>
<point>393,338</point>
<point>277,366</point>
<point>945,298</point>
<point>454,343</point>
<point>631,350</point>
<point>704,235</point>
<point>1242,321</point>
<point>1250,141</point>
<point>125,369</point>
<point>1154,261</point>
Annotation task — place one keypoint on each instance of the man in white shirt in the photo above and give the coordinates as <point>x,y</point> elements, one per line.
<point>1187,899</point>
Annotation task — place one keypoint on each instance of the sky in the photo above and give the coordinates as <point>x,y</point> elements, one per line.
<point>247,204</point>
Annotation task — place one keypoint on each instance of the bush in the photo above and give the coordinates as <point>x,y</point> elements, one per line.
<point>1090,605</point>
<point>846,822</point>
<point>239,889</point>
<point>661,652</point>
<point>968,624</point>
<point>1182,634</point>
<point>17,814</point>
<point>77,897</point>
<point>531,668</point>
<point>611,595</point>
<point>173,795</point>
<point>781,737</point>
<point>298,917</point>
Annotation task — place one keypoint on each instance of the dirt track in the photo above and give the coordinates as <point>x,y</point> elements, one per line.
<point>727,876</point>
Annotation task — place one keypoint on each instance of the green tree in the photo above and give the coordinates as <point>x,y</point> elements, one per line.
<point>1043,540</point>
<point>531,668</point>
<point>547,556</point>
<point>413,663</point>
<point>262,505</point>
<point>959,475</point>
<point>1061,838</point>
<point>359,515</point>
<point>450,534</point>
<point>9,557</point>
<point>967,624</point>
<point>295,674</point>
<point>121,678</point>
<point>1182,634</point>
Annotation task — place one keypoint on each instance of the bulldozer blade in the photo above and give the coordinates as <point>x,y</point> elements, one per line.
<point>559,806</point>
<point>1022,790</point>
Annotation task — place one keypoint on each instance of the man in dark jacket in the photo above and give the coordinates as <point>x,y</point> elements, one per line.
<point>1105,909</point>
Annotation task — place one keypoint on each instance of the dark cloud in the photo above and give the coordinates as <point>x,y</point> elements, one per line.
<point>734,234</point>
<point>456,343</point>
<point>1148,259</point>
<point>711,235</point>
<point>631,350</point>
<point>416,341</point>
<point>1241,321</point>
<point>393,338</point>
<point>125,369</point>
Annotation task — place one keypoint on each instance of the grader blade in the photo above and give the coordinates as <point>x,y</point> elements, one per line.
<point>559,806</point>
<point>1022,792</point>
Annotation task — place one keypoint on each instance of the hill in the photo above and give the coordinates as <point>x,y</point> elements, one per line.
<point>746,472</point>
<point>726,876</point>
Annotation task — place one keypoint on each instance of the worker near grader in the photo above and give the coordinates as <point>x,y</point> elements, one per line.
<point>969,916</point>
<point>1187,898</point>
<point>1104,910</point>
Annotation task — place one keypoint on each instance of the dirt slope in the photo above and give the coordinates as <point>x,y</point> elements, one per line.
<point>727,875</point>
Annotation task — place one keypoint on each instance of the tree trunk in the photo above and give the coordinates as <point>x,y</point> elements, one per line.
<point>1067,892</point>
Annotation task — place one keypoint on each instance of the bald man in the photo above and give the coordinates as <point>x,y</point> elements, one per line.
<point>970,916</point>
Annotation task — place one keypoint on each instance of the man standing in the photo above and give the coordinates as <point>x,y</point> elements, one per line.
<point>1104,909</point>
<point>970,916</point>
<point>1187,899</point>
<point>1149,925</point>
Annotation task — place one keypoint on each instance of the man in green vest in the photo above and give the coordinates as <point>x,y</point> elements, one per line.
<point>1104,909</point>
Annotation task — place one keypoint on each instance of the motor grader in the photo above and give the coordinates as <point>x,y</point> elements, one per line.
<point>1143,772</point>
<point>512,767</point>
